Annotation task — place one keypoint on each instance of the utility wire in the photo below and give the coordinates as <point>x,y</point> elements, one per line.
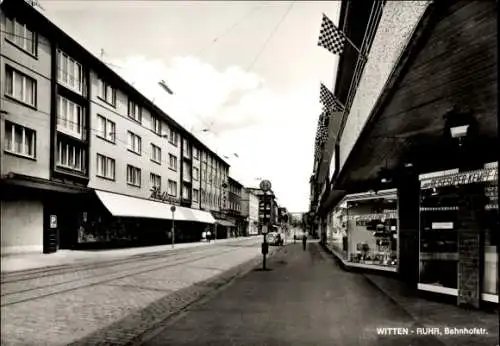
<point>273,32</point>
<point>263,47</point>
<point>228,29</point>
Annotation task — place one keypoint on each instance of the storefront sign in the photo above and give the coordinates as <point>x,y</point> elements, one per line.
<point>442,225</point>
<point>463,178</point>
<point>53,221</point>
<point>369,217</point>
<point>161,196</point>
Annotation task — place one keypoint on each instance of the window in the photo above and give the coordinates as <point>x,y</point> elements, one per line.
<point>172,188</point>
<point>174,137</point>
<point>186,171</point>
<point>19,140</point>
<point>105,167</point>
<point>185,192</point>
<point>69,117</point>
<point>21,36</point>
<point>133,176</point>
<point>196,153</point>
<point>134,111</point>
<point>172,162</point>
<point>134,143</point>
<point>186,148</point>
<point>106,92</point>
<point>106,129</point>
<point>196,195</point>
<point>156,125</point>
<point>20,87</point>
<point>155,181</point>
<point>155,153</point>
<point>69,72</point>
<point>196,173</point>
<point>70,156</point>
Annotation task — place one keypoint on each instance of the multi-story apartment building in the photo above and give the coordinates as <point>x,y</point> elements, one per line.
<point>250,211</point>
<point>86,158</point>
<point>413,175</point>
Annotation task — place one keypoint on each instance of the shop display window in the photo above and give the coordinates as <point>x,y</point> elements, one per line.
<point>440,198</point>
<point>337,231</point>
<point>372,231</point>
<point>491,229</point>
<point>438,236</point>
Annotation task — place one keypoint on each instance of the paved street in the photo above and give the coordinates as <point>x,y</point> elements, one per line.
<point>115,300</point>
<point>306,299</point>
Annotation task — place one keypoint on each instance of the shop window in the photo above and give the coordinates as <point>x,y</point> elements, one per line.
<point>372,231</point>
<point>440,219</point>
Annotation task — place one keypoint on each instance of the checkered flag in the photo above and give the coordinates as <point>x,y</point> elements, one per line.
<point>321,133</point>
<point>330,37</point>
<point>329,100</point>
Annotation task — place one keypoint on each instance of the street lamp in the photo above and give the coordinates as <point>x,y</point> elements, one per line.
<point>172,209</point>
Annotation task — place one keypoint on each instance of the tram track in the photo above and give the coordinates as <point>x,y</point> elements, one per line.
<point>38,273</point>
<point>77,284</point>
<point>39,292</point>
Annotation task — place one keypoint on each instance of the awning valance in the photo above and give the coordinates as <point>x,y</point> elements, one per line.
<point>127,206</point>
<point>225,223</point>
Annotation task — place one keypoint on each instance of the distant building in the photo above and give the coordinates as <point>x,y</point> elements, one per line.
<point>250,211</point>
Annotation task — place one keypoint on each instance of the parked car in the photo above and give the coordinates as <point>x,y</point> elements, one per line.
<point>274,238</point>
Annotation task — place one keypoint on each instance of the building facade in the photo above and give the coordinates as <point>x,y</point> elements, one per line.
<point>86,158</point>
<point>267,208</point>
<point>413,183</point>
<point>233,211</point>
<point>250,211</point>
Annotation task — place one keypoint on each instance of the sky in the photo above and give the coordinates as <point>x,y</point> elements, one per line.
<point>245,75</point>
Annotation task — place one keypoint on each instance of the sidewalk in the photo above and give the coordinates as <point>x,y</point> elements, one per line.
<point>306,299</point>
<point>32,261</point>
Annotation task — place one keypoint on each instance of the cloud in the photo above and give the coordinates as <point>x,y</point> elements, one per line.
<point>271,131</point>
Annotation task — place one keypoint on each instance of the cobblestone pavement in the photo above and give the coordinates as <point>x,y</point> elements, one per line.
<point>114,301</point>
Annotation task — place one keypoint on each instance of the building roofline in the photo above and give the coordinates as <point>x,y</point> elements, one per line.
<point>40,20</point>
<point>231,179</point>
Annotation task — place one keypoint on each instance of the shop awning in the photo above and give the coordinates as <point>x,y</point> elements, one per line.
<point>197,215</point>
<point>225,223</point>
<point>127,206</point>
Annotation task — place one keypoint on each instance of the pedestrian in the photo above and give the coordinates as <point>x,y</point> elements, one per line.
<point>304,240</point>
<point>208,236</point>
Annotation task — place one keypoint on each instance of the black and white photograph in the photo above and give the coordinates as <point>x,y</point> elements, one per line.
<point>246,172</point>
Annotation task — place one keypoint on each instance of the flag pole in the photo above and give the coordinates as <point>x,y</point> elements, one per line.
<point>356,48</point>
<point>347,38</point>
